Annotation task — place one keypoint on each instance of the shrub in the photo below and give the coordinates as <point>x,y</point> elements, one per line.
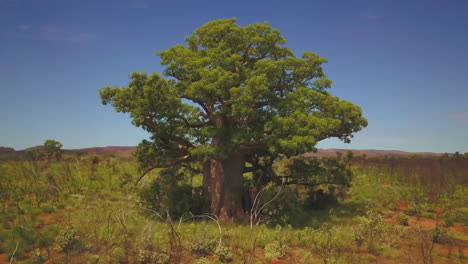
<point>358,237</point>
<point>440,235</point>
<point>202,261</point>
<point>305,236</point>
<point>403,219</point>
<point>118,253</point>
<point>48,209</point>
<point>410,211</point>
<point>283,209</point>
<point>47,237</point>
<point>274,250</point>
<point>170,193</point>
<point>161,257</point>
<point>461,215</point>
<point>203,245</point>
<point>224,254</point>
<point>143,257</point>
<point>449,220</point>
<point>38,257</point>
<point>22,237</point>
<point>331,243</point>
<point>67,240</point>
<point>373,225</point>
<point>376,233</point>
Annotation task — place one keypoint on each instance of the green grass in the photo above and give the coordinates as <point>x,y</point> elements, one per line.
<point>110,225</point>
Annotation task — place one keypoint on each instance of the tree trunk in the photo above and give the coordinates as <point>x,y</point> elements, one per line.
<point>224,182</point>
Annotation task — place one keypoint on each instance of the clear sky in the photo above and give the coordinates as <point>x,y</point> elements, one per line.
<point>404,62</point>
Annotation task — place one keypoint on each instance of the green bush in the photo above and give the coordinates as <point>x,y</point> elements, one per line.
<point>373,225</point>
<point>48,209</point>
<point>38,257</point>
<point>203,245</point>
<point>359,237</point>
<point>143,257</point>
<point>330,243</point>
<point>170,193</point>
<point>161,257</point>
<point>67,240</point>
<point>376,234</point>
<point>20,236</point>
<point>440,235</point>
<point>7,217</point>
<point>202,261</point>
<point>282,210</point>
<point>461,215</point>
<point>274,250</point>
<point>47,236</point>
<point>305,236</point>
<point>449,220</point>
<point>118,253</point>
<point>224,254</point>
<point>403,219</point>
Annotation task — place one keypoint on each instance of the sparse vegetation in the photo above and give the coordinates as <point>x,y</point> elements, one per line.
<point>95,217</point>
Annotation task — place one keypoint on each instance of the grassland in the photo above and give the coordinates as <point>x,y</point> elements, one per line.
<point>86,209</point>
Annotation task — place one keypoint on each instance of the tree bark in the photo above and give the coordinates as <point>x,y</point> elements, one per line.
<point>223,181</point>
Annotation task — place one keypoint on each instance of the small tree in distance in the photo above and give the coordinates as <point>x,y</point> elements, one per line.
<point>232,96</point>
<point>35,154</point>
<point>53,149</point>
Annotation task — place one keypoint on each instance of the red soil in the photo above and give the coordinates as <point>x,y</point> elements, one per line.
<point>3,258</point>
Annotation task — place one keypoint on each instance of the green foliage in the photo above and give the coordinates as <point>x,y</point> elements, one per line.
<point>274,250</point>
<point>53,149</point>
<point>118,253</point>
<point>47,236</point>
<point>202,261</point>
<point>170,192</point>
<point>112,229</point>
<point>461,215</point>
<point>203,245</point>
<point>315,172</point>
<point>68,240</point>
<point>233,89</point>
<point>331,243</point>
<point>143,257</point>
<point>38,257</point>
<point>224,254</point>
<point>373,225</point>
<point>35,154</point>
<point>449,220</point>
<point>280,210</point>
<point>161,257</point>
<point>403,219</point>
<point>440,235</point>
<point>20,239</point>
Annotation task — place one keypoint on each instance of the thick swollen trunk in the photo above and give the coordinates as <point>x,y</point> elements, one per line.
<point>223,181</point>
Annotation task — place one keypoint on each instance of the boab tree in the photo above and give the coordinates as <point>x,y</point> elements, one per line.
<point>232,93</point>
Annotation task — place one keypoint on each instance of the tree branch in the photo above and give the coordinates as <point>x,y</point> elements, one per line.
<point>252,146</point>
<point>298,182</point>
<point>166,136</point>
<point>177,161</point>
<point>205,108</point>
<point>195,124</point>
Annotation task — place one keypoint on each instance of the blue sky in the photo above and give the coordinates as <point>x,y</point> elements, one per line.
<point>404,62</point>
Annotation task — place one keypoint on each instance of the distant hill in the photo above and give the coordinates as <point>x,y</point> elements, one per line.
<point>368,153</point>
<point>116,150</point>
<point>6,150</point>
<point>127,151</point>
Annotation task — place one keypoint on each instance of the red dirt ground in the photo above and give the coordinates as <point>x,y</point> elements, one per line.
<point>3,259</point>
